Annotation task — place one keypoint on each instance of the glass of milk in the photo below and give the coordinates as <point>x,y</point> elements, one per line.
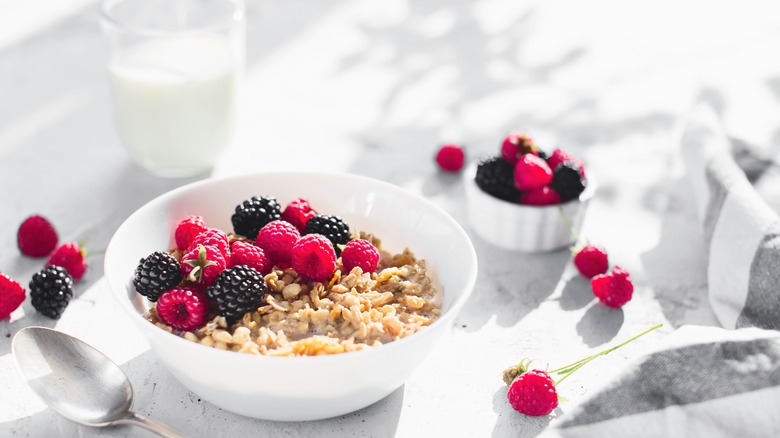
<point>175,68</point>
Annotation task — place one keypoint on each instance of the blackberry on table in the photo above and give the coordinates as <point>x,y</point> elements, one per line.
<point>253,214</point>
<point>156,273</point>
<point>567,180</point>
<point>331,227</point>
<point>495,176</point>
<point>51,290</point>
<point>238,290</point>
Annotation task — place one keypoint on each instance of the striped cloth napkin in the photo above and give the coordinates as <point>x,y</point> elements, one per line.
<point>707,381</point>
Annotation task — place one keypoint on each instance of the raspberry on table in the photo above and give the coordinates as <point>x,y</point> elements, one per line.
<point>495,177</point>
<point>202,264</point>
<point>532,172</point>
<point>332,227</point>
<point>559,155</point>
<point>72,257</point>
<point>11,295</point>
<point>213,237</point>
<point>542,196</point>
<point>36,237</point>
<point>517,144</point>
<point>182,308</point>
<point>533,393</point>
<point>156,273</point>
<point>253,214</point>
<point>361,253</point>
<point>244,253</point>
<point>568,181</point>
<point>450,157</point>
<point>187,229</point>
<point>238,290</point>
<point>277,239</point>
<point>614,289</point>
<point>51,290</point>
<point>298,212</point>
<point>591,260</point>
<point>314,258</point>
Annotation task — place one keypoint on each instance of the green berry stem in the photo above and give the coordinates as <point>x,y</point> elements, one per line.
<point>569,369</point>
<point>566,220</point>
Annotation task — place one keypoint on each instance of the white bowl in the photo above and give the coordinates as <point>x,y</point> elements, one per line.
<point>297,388</point>
<point>526,228</point>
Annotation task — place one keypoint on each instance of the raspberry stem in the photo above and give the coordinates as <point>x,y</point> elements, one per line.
<point>569,369</point>
<point>566,220</point>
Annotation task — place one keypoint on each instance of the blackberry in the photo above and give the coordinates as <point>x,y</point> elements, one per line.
<point>495,176</point>
<point>331,227</point>
<point>253,213</point>
<point>542,154</point>
<point>238,290</point>
<point>50,290</point>
<point>156,273</point>
<point>567,181</point>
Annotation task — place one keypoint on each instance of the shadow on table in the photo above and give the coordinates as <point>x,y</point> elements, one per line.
<point>160,396</point>
<point>512,423</point>
<point>599,324</point>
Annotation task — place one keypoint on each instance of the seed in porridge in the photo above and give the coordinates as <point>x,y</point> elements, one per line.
<point>244,253</point>
<point>313,257</point>
<point>331,227</point>
<point>253,214</point>
<point>360,253</point>
<point>202,264</point>
<point>182,308</point>
<point>155,274</point>
<point>238,290</point>
<point>277,239</point>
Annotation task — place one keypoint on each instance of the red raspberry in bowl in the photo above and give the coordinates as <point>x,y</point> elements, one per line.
<point>362,253</point>
<point>450,158</point>
<point>298,212</point>
<point>542,196</point>
<point>72,257</point>
<point>11,295</point>
<point>559,156</point>
<point>187,229</point>
<point>182,308</point>
<point>313,257</point>
<point>36,237</point>
<point>532,172</point>
<point>244,253</point>
<point>591,261</point>
<point>277,239</point>
<point>614,289</point>
<point>202,264</point>
<point>212,237</point>
<point>533,393</point>
<point>517,144</point>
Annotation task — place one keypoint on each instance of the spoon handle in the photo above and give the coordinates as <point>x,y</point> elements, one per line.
<point>155,426</point>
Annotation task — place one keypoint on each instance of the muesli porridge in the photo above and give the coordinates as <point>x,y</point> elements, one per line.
<point>309,311</point>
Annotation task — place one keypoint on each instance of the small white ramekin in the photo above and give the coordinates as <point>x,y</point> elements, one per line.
<point>525,228</point>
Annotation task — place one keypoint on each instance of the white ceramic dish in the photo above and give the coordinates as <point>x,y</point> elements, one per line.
<point>297,388</point>
<point>523,227</point>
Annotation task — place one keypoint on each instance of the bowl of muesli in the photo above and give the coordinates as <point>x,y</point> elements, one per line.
<point>291,296</point>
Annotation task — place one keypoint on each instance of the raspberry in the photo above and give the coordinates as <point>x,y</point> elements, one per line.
<point>202,264</point>
<point>313,257</point>
<point>361,253</point>
<point>559,156</point>
<point>331,227</point>
<point>187,229</point>
<point>450,158</point>
<point>613,289</point>
<point>532,172</point>
<point>298,212</point>
<point>238,290</point>
<point>495,177</point>
<point>182,308</point>
<point>51,290</point>
<point>36,237</point>
<point>72,257</point>
<point>214,237</point>
<point>542,196</point>
<point>517,144</point>
<point>591,261</point>
<point>156,273</point>
<point>277,239</point>
<point>253,213</point>
<point>11,295</point>
<point>567,180</point>
<point>244,253</point>
<point>533,393</point>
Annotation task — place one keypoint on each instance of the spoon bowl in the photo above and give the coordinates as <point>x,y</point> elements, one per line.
<point>77,381</point>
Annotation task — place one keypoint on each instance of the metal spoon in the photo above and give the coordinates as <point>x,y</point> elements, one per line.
<point>77,381</point>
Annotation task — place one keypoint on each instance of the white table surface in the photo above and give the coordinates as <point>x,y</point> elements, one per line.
<point>373,88</point>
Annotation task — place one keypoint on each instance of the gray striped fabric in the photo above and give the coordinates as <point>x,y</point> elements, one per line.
<point>707,381</point>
